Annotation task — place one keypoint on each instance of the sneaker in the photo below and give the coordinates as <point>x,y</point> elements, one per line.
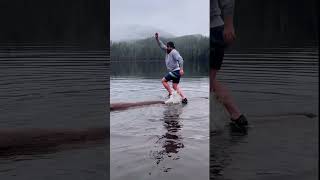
<point>241,121</point>
<point>184,101</point>
<point>170,100</point>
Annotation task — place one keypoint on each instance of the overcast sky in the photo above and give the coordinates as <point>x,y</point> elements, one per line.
<point>179,17</point>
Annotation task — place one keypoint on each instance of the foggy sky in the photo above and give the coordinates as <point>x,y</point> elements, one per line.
<point>179,17</point>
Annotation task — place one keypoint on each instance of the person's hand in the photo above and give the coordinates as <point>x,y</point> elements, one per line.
<point>157,36</point>
<point>181,72</point>
<point>229,34</point>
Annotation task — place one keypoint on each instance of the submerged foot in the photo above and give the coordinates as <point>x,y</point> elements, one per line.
<point>240,124</point>
<point>241,120</point>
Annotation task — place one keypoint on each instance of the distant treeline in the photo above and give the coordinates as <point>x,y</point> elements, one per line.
<point>145,55</point>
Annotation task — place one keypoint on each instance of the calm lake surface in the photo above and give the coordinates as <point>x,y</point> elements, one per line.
<point>52,88</point>
<point>277,88</point>
<point>159,141</point>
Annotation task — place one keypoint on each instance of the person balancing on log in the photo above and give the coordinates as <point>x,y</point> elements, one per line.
<point>174,63</point>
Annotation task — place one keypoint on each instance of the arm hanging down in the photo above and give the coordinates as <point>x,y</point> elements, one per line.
<point>227,10</point>
<point>177,57</point>
<point>160,43</point>
<point>227,7</point>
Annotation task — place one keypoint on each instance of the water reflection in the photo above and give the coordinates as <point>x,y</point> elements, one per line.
<point>170,143</point>
<point>221,149</point>
<point>48,95</point>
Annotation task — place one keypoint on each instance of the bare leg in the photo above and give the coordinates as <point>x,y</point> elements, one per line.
<point>166,85</point>
<point>223,93</point>
<point>176,87</point>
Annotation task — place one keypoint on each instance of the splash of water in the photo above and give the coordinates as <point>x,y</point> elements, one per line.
<point>174,99</point>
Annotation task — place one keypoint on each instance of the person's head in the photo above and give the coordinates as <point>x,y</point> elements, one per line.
<point>170,46</point>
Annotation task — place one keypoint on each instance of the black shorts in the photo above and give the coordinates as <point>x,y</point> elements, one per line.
<point>173,76</point>
<point>217,46</point>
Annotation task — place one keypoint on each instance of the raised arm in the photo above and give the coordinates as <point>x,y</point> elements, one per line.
<point>160,43</point>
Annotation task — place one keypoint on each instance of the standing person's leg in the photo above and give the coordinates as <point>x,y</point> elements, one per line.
<point>224,95</point>
<point>217,56</point>
<point>176,87</point>
<point>166,85</point>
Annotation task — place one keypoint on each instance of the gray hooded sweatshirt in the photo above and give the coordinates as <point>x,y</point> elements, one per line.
<point>173,60</point>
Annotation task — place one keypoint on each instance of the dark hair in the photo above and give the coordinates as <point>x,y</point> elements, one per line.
<point>170,44</point>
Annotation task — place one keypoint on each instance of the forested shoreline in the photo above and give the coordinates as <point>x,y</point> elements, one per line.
<point>145,54</point>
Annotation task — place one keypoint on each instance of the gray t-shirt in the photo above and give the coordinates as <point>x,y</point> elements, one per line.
<point>218,9</point>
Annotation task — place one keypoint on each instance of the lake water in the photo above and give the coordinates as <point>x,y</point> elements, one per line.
<point>159,141</point>
<point>277,88</point>
<point>53,88</point>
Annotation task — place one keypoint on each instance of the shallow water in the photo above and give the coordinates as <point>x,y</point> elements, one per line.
<point>52,88</point>
<point>159,141</point>
<point>278,91</point>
